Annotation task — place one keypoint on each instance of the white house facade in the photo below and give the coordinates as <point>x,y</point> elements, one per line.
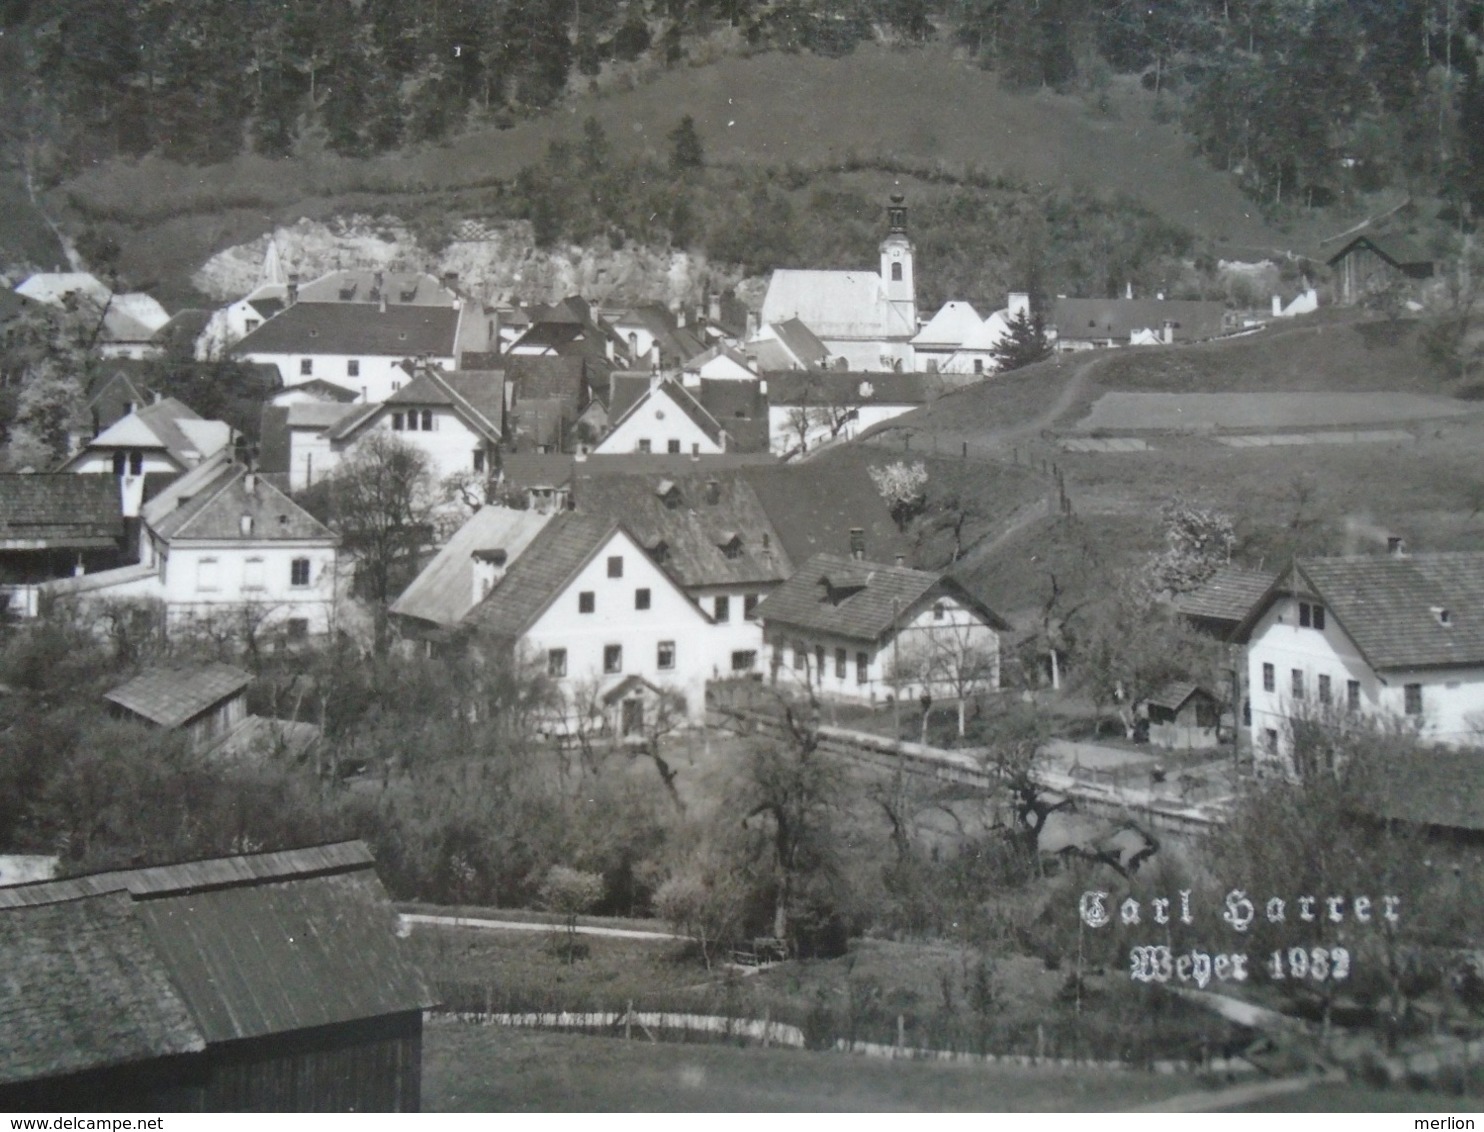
<point>667,419</point>
<point>1392,640</point>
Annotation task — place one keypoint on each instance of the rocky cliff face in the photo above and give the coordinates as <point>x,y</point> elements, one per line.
<point>497,262</point>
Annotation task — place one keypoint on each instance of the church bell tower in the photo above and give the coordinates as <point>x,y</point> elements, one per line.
<point>896,263</point>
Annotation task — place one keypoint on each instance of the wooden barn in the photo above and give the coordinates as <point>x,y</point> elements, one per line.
<point>266,983</point>
<point>1372,262</point>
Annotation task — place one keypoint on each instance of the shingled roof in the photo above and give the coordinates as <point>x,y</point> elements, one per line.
<point>254,946</point>
<point>60,510</point>
<point>171,697</point>
<point>362,329</point>
<point>678,513</point>
<point>859,600</point>
<point>444,591</point>
<point>544,376</point>
<point>1228,595</point>
<point>1118,318</point>
<point>85,989</point>
<point>213,505</point>
<point>477,398</point>
<point>815,505</point>
<point>1416,611</point>
<point>537,577</point>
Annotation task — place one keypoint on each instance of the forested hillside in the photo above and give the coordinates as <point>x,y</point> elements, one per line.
<point>1305,99</point>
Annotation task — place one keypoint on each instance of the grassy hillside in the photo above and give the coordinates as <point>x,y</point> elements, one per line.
<point>921,109</point>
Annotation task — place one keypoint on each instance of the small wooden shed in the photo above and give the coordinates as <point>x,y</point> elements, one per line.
<point>1372,261</point>
<point>207,702</point>
<point>1184,716</point>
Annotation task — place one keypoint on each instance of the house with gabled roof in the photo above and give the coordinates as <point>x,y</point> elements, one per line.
<point>112,395</point>
<point>1397,639</point>
<point>456,419</point>
<point>1371,261</point>
<point>592,609</point>
<point>163,436</point>
<point>957,341</point>
<point>1084,324</point>
<point>665,417</point>
<point>570,329</point>
<point>869,318</point>
<point>259,983</point>
<point>720,363</point>
<point>851,629</point>
<point>222,544</point>
<point>128,321</point>
<point>710,533</point>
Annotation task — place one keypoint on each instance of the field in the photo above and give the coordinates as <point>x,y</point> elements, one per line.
<point>1198,412</point>
<point>490,1069</point>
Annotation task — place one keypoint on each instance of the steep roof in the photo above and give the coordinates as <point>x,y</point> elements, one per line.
<point>85,989</point>
<point>266,944</point>
<point>814,506</point>
<point>444,591</point>
<point>951,326</point>
<point>683,402</point>
<point>1172,696</point>
<point>1392,607</point>
<point>842,387</point>
<point>539,421</point>
<point>60,509</point>
<point>677,511</point>
<point>400,331</point>
<point>835,304</point>
<point>471,396</point>
<point>1399,250</point>
<point>113,395</point>
<point>535,579</point>
<point>173,696</point>
<point>861,600</point>
<point>549,376</point>
<point>164,425</point>
<point>801,342</point>
<point>1228,595</point>
<point>1119,318</point>
<point>213,509</point>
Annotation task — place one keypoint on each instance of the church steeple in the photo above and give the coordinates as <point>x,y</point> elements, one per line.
<point>896,263</point>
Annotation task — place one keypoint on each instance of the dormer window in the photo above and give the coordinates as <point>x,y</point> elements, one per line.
<point>1444,617</point>
<point>731,544</point>
<point>660,551</point>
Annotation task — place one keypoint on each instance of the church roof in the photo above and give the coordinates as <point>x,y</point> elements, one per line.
<point>835,304</point>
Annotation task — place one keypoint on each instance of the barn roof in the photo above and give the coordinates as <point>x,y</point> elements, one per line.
<point>1119,318</point>
<point>263,944</point>
<point>1228,595</point>
<point>1398,250</point>
<point>1173,696</point>
<point>84,988</point>
<point>172,696</point>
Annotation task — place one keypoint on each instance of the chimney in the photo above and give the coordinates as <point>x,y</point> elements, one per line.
<point>858,543</point>
<point>581,454</point>
<point>1167,332</point>
<point>1277,306</point>
<point>1128,289</point>
<point>451,280</point>
<point>713,306</point>
<point>901,561</point>
<point>680,319</point>
<point>489,568</point>
<point>752,325</point>
<point>382,302</point>
<point>713,492</point>
<point>695,453</point>
<point>1396,546</point>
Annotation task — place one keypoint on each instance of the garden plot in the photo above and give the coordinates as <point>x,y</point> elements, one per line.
<point>1344,436</point>
<point>1243,412</point>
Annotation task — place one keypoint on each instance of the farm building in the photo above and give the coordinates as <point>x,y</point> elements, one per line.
<point>1183,716</point>
<point>1372,262</point>
<point>264,983</point>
